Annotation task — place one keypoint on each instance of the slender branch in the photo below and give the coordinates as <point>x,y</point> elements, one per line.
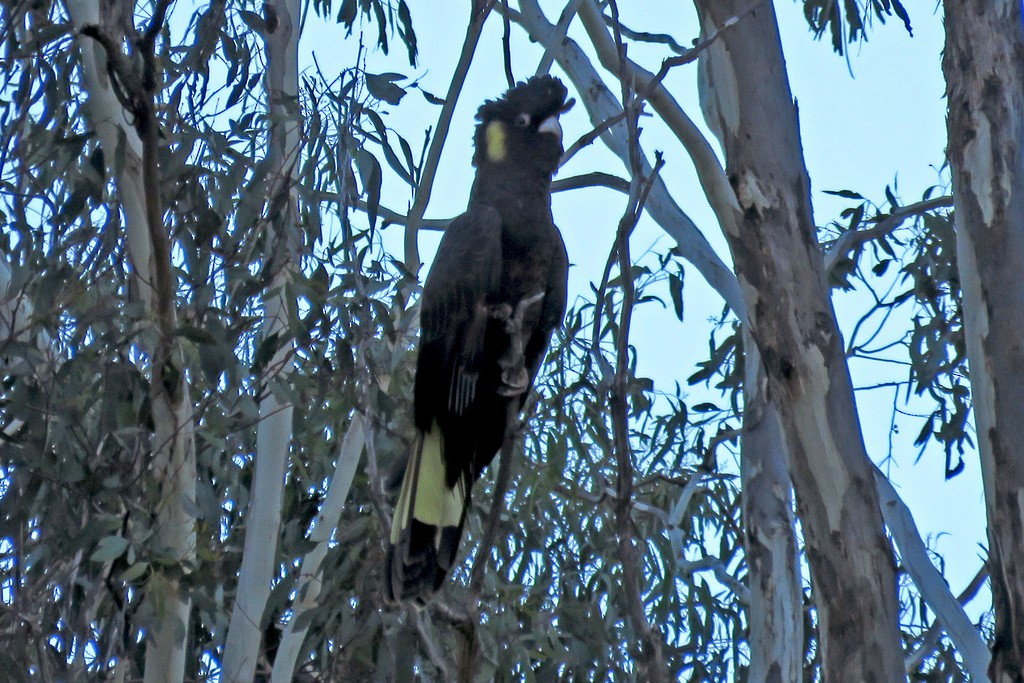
<point>609,494</point>
<point>661,207</point>
<point>434,651</point>
<point>643,37</point>
<point>321,531</point>
<point>715,565</point>
<point>675,515</point>
<point>693,53</point>
<point>148,40</point>
<point>649,650</point>
<point>577,182</point>
<point>854,239</point>
<point>419,206</point>
<point>117,64</point>
<point>722,436</point>
<point>710,173</point>
<point>559,33</point>
<point>933,588</point>
<point>593,179</point>
<point>506,45</point>
<point>931,638</point>
<point>589,137</point>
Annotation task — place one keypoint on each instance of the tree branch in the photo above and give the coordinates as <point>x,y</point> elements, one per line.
<point>933,587</point>
<point>321,532</point>
<point>419,206</point>
<point>173,466</point>
<point>559,33</point>
<point>931,638</point>
<point>577,182</point>
<point>649,648</point>
<point>506,46</point>
<point>854,239</point>
<point>601,105</point>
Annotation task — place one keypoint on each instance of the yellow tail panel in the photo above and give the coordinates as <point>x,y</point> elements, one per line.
<point>425,489</point>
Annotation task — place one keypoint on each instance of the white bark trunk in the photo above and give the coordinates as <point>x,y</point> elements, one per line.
<point>791,318</point>
<point>273,437</point>
<point>173,461</point>
<point>773,556</point>
<point>776,605</point>
<point>983,62</point>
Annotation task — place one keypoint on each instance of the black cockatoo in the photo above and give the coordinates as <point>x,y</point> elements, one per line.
<point>493,296</point>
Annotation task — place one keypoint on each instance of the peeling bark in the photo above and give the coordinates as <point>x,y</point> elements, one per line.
<point>791,319</point>
<point>983,63</point>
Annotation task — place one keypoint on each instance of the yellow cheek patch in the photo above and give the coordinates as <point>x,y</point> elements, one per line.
<point>495,136</point>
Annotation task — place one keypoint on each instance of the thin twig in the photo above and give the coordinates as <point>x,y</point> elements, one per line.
<point>644,37</point>
<point>589,137</point>
<point>506,46</point>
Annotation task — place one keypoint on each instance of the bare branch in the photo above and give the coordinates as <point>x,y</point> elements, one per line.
<point>560,30</point>
<point>644,37</point>
<point>933,635</point>
<point>320,533</point>
<point>148,40</point>
<point>589,137</point>
<point>429,638</point>
<point>721,573</point>
<point>929,582</point>
<point>693,53</point>
<point>594,179</point>
<point>648,649</point>
<point>600,105</point>
<point>419,206</point>
<point>506,46</point>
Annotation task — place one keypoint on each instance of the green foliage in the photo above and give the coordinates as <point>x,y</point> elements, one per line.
<point>914,269</point>
<point>847,21</point>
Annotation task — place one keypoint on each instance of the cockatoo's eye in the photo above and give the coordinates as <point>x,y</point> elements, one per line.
<point>523,120</point>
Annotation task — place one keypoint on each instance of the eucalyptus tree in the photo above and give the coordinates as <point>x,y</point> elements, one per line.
<point>210,298</point>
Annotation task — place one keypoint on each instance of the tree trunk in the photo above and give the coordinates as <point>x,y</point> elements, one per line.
<point>173,464</point>
<point>274,433</point>
<point>791,319</point>
<point>776,597</point>
<point>983,63</point>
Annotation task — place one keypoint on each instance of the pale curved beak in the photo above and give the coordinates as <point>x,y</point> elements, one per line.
<point>551,125</point>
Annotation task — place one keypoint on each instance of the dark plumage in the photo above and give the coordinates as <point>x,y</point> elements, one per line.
<point>495,292</point>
